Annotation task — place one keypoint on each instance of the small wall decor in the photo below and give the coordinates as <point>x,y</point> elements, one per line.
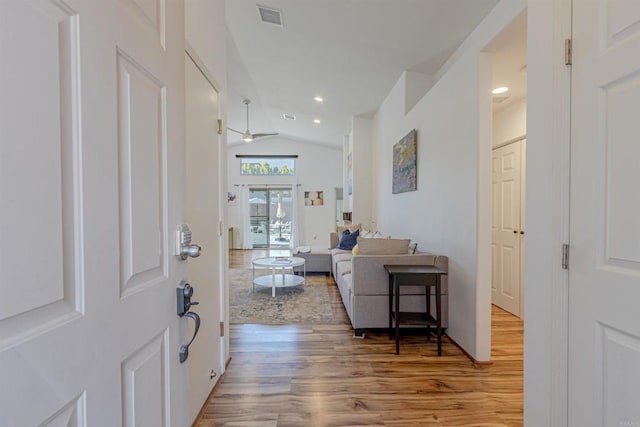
<point>405,158</point>
<point>232,197</point>
<point>314,198</point>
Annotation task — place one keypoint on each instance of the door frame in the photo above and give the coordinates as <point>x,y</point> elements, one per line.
<point>269,189</point>
<point>222,214</point>
<point>547,214</point>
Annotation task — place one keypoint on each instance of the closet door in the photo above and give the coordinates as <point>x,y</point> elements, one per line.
<point>506,227</point>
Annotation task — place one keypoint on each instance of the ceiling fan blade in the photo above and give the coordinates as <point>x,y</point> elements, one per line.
<point>236,131</point>
<point>258,135</point>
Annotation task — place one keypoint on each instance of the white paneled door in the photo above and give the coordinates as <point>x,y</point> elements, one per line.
<point>204,215</point>
<point>507,229</point>
<point>604,267</point>
<point>91,189</point>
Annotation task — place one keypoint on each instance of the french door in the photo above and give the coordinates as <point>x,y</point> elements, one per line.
<point>271,217</point>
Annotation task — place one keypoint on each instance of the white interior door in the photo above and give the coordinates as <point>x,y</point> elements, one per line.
<point>91,179</point>
<point>204,217</point>
<point>604,269</point>
<point>506,227</point>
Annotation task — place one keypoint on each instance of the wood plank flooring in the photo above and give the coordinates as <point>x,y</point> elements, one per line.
<point>320,375</point>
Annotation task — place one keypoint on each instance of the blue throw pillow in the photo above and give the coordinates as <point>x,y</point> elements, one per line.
<point>348,240</point>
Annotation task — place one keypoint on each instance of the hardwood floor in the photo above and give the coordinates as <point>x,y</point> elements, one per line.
<point>320,375</point>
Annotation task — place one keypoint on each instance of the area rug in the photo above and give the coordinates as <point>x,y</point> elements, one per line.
<point>297,304</point>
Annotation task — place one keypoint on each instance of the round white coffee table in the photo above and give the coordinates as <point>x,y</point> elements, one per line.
<point>282,279</point>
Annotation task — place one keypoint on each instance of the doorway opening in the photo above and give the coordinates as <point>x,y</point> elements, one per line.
<point>509,84</point>
<point>271,217</point>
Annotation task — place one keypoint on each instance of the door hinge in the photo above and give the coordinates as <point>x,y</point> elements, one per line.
<point>219,126</point>
<point>565,256</point>
<point>221,329</point>
<point>568,52</point>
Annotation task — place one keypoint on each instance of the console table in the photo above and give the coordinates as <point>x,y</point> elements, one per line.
<point>415,275</point>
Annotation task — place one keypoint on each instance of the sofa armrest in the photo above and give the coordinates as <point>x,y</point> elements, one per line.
<point>334,239</point>
<point>371,278</point>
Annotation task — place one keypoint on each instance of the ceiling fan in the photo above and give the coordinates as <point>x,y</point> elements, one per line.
<point>247,136</point>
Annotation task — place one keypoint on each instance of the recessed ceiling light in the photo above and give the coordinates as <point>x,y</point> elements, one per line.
<point>499,90</point>
<point>317,121</point>
<point>319,99</point>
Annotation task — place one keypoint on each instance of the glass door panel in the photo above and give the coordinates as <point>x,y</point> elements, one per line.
<point>259,214</point>
<point>280,217</point>
<point>271,217</point>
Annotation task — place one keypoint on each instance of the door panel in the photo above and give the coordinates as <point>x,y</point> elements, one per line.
<point>506,184</point>
<point>52,31</point>
<point>142,156</point>
<point>203,215</point>
<point>145,382</point>
<point>91,176</point>
<point>604,324</point>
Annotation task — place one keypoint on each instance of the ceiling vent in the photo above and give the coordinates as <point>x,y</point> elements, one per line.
<point>288,116</point>
<point>270,16</point>
<point>499,99</point>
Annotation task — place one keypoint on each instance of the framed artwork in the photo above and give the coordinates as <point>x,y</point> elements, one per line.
<point>314,198</point>
<point>232,198</point>
<point>405,164</point>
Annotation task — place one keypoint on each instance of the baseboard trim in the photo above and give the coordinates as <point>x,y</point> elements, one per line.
<point>475,362</point>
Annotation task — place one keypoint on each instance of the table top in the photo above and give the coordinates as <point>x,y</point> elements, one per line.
<point>413,269</point>
<point>281,262</point>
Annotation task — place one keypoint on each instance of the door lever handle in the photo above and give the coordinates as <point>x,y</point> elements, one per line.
<point>184,349</point>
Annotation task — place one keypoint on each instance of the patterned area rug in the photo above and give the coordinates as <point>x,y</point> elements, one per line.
<point>297,304</point>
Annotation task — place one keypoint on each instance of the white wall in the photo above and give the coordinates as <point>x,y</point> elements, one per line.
<point>510,123</point>
<point>205,32</point>
<point>360,138</point>
<point>318,167</point>
<point>450,212</point>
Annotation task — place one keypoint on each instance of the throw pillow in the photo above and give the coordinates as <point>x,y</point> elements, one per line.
<point>356,250</point>
<point>383,246</point>
<point>348,240</point>
<point>365,233</point>
<point>412,248</point>
<point>350,227</point>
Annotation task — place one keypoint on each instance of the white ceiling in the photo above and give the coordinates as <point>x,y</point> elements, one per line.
<point>350,52</point>
<point>509,62</point>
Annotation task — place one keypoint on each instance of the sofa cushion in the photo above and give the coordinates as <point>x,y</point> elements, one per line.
<point>342,257</point>
<point>338,251</point>
<point>348,239</point>
<point>337,258</point>
<point>343,267</point>
<point>383,246</point>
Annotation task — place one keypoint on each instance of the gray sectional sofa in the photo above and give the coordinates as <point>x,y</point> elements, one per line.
<point>364,285</point>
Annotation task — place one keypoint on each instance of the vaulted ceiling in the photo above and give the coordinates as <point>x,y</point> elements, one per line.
<point>349,52</point>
